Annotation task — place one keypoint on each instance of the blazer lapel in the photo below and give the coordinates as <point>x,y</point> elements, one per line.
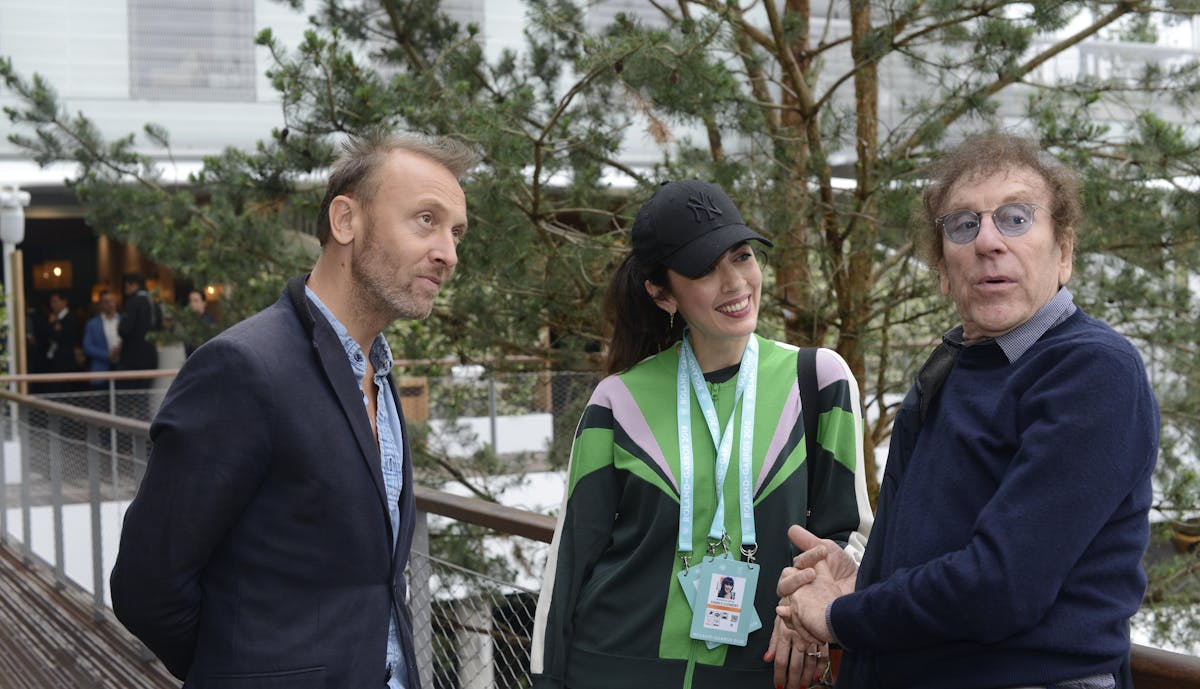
<point>332,356</point>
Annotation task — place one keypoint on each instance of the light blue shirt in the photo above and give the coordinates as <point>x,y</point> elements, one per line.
<point>391,452</point>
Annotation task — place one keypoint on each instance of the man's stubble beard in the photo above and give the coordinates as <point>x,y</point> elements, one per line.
<point>374,287</point>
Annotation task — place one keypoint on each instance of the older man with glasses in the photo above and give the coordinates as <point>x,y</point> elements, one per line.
<point>1012,516</point>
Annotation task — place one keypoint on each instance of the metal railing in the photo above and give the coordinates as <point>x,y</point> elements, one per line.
<point>470,630</point>
<point>76,469</point>
<point>73,466</point>
<point>70,468</point>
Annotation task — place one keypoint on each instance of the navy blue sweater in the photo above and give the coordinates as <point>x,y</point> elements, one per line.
<point>1010,552</point>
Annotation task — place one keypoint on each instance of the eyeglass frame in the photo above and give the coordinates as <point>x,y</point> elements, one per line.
<point>940,221</point>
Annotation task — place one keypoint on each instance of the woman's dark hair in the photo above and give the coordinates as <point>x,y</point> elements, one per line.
<point>639,327</point>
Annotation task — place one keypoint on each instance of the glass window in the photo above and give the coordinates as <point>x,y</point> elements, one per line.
<point>192,50</point>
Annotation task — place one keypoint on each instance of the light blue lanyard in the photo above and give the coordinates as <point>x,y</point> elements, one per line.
<point>747,384</point>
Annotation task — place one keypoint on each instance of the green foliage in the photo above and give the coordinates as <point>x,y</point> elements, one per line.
<point>1172,592</point>
<point>778,106</point>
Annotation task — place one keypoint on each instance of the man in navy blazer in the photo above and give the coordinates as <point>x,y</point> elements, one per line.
<point>267,542</point>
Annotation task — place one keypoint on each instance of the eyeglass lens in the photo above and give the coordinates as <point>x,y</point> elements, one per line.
<point>1012,219</point>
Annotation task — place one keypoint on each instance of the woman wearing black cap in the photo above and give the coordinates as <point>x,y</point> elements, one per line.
<point>689,464</point>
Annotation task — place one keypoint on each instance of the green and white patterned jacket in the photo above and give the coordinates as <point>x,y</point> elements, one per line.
<point>612,613</point>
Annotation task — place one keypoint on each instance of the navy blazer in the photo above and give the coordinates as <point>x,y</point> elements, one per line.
<point>258,550</point>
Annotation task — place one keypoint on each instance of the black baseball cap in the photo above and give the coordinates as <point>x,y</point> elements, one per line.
<point>687,225</point>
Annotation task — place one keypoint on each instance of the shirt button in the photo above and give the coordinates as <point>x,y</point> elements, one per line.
<point>387,676</point>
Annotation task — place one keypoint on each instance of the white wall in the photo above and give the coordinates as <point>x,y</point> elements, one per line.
<point>82,48</point>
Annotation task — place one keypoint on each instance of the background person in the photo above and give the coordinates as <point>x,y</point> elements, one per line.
<point>101,341</point>
<point>139,317</point>
<point>62,342</point>
<point>613,612</point>
<point>1012,519</point>
<point>267,542</point>
<point>198,305</point>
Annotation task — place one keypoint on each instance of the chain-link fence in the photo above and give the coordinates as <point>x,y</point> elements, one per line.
<point>471,631</point>
<point>66,473</point>
<point>502,422</point>
<point>472,625</point>
<point>530,414</point>
<point>131,403</point>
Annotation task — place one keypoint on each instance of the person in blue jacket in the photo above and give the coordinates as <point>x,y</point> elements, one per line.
<point>101,341</point>
<point>1012,516</point>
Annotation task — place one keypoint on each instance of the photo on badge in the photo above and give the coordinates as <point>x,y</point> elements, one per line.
<point>724,602</point>
<point>727,588</point>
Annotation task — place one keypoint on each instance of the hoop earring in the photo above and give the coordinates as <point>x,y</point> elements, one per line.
<point>671,322</point>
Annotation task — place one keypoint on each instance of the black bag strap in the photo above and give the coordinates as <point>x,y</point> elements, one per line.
<point>806,379</point>
<point>931,376</point>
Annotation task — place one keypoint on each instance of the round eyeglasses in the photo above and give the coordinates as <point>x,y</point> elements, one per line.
<point>1012,219</point>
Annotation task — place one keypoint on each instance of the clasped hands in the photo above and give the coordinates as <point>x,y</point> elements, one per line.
<point>821,573</point>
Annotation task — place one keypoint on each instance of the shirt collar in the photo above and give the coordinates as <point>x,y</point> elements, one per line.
<point>1017,341</point>
<point>381,353</point>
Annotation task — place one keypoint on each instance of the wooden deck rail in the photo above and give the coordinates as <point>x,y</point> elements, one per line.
<point>510,520</point>
<point>1154,668</point>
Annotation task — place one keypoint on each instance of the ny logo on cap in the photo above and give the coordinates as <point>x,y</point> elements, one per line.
<point>703,204</point>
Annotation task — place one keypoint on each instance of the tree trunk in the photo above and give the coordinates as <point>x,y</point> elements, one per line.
<point>862,231</point>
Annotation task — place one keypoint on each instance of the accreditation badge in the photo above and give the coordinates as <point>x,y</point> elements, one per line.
<point>689,579</point>
<point>723,607</point>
